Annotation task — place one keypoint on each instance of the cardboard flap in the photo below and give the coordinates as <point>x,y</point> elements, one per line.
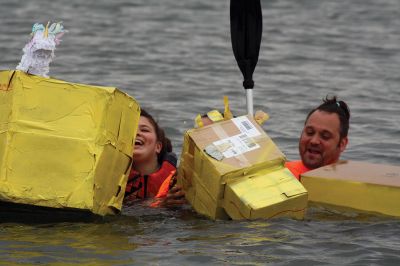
<point>266,195</point>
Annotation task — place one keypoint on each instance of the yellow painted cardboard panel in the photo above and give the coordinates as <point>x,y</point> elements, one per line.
<point>210,178</point>
<point>65,145</point>
<point>205,204</point>
<point>119,121</point>
<point>197,194</point>
<point>111,176</point>
<point>268,194</point>
<point>60,108</point>
<point>205,191</point>
<point>3,145</point>
<point>355,186</point>
<point>5,102</point>
<point>35,174</point>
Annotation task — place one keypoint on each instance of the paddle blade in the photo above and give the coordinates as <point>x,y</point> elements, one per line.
<point>246,32</point>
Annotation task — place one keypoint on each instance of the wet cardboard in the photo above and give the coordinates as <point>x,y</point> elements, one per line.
<point>355,186</point>
<point>250,185</point>
<point>64,145</point>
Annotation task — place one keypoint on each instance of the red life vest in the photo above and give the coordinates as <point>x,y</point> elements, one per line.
<point>148,186</point>
<point>297,168</point>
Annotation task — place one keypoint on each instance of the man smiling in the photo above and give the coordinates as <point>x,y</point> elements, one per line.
<point>324,136</point>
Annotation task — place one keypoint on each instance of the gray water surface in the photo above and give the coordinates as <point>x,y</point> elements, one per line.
<point>175,58</point>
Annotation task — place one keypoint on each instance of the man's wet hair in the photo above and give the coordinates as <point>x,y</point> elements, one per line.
<point>332,105</point>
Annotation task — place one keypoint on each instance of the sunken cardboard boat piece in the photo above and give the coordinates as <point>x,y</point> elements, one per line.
<point>64,145</point>
<point>232,169</point>
<point>351,186</point>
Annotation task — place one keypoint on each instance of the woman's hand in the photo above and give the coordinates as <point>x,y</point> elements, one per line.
<point>174,198</point>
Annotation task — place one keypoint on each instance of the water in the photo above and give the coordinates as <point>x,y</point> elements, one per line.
<point>175,58</point>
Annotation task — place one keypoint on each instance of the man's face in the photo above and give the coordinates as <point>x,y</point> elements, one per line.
<point>320,142</point>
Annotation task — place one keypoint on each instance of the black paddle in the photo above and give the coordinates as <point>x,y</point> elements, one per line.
<point>246,31</point>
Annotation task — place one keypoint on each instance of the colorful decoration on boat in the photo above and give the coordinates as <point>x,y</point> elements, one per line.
<point>39,51</point>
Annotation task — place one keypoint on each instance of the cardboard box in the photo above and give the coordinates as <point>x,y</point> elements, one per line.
<point>232,169</point>
<point>64,145</point>
<point>356,187</point>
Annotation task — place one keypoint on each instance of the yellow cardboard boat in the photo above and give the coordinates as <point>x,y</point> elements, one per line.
<point>232,169</point>
<point>356,187</point>
<point>64,145</point>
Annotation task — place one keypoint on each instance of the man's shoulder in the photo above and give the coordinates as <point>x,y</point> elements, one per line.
<point>296,167</point>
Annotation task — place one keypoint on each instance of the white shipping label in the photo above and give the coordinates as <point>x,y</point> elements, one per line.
<point>245,126</point>
<point>236,145</point>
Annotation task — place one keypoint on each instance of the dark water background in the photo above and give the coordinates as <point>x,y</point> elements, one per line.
<point>175,58</point>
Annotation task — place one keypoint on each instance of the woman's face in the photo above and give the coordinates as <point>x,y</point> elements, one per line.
<point>147,147</point>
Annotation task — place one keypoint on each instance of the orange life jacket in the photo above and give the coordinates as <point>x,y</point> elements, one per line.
<point>297,168</point>
<point>163,191</point>
<point>148,186</point>
<point>165,186</point>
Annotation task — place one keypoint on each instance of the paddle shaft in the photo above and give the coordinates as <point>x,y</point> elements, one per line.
<point>249,101</point>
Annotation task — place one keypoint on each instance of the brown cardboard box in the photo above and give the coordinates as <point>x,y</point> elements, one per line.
<point>355,186</point>
<point>232,169</point>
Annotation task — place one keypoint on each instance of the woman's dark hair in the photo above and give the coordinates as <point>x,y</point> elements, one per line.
<point>165,142</point>
<point>332,105</point>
